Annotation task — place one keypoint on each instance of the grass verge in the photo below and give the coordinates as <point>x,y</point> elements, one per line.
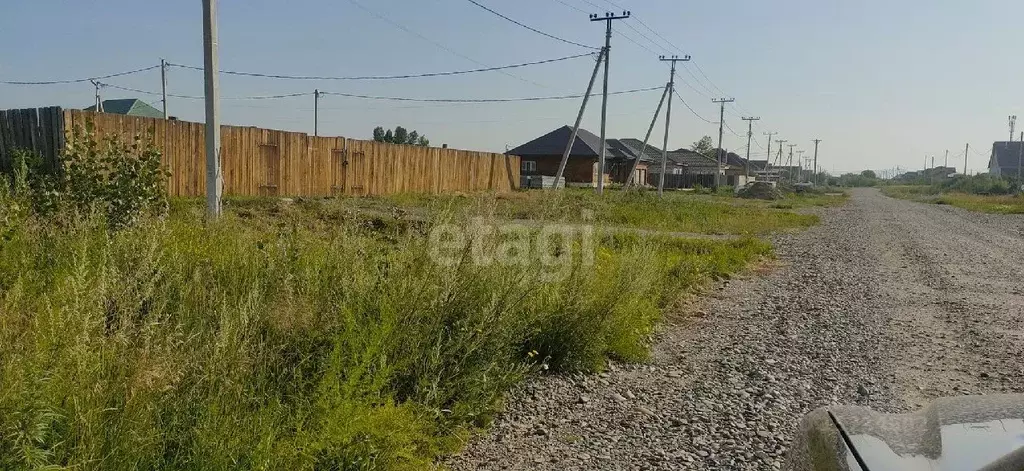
<point>994,204</point>
<point>315,336</point>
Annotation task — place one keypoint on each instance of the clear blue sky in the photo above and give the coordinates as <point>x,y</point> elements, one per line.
<point>883,83</point>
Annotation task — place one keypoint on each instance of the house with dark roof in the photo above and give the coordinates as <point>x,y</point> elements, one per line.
<point>129,107</point>
<point>1005,158</point>
<point>543,155</point>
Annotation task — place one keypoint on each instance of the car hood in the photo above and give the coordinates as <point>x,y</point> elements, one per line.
<point>968,433</point>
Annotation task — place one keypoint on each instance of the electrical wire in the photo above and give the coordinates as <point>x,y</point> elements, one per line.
<point>574,7</point>
<point>486,100</point>
<point>731,130</point>
<point>437,44</point>
<point>535,30</point>
<point>691,109</point>
<point>388,77</point>
<point>706,78</point>
<point>195,97</point>
<point>391,98</point>
<point>55,82</point>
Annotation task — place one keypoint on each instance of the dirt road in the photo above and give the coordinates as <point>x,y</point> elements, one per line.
<point>887,303</point>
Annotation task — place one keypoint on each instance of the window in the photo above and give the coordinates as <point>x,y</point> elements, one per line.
<point>677,171</point>
<point>528,166</point>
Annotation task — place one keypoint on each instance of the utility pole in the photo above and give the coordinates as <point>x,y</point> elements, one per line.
<point>316,112</point>
<point>579,119</point>
<point>1013,126</point>
<point>790,164</point>
<point>750,135</point>
<point>668,117</point>
<point>816,142</point>
<point>800,164</point>
<point>768,157</point>
<point>214,180</point>
<point>647,137</point>
<point>1020,158</point>
<point>967,151</point>
<point>163,84</point>
<point>779,158</point>
<point>99,101</point>
<point>721,130</point>
<point>608,17</point>
<point>946,162</point>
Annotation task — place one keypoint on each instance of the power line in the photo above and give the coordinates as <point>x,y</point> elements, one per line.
<point>435,43</point>
<point>535,30</point>
<point>388,77</point>
<point>485,100</point>
<point>706,78</point>
<point>196,97</point>
<point>691,109</point>
<point>55,82</point>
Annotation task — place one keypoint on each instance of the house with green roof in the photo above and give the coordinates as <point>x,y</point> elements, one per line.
<point>129,107</point>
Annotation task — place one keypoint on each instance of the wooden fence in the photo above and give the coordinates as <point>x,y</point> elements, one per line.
<point>267,162</point>
<point>36,129</point>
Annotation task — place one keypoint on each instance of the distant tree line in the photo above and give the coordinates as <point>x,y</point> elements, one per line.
<point>400,136</point>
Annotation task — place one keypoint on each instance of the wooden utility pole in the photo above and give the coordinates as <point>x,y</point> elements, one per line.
<point>579,119</point>
<point>214,179</point>
<point>750,136</point>
<point>608,18</point>
<point>721,125</point>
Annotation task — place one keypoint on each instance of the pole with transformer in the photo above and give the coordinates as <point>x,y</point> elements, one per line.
<point>750,136</point>
<point>579,119</point>
<point>721,131</point>
<point>607,18</point>
<point>214,179</point>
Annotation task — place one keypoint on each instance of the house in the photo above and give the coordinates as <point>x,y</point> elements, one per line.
<point>129,107</point>
<point>543,155</point>
<point>1006,157</point>
<point>686,169</point>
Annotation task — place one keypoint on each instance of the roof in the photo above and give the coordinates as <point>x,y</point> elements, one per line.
<point>689,158</point>
<point>554,142</point>
<point>1006,153</point>
<point>758,164</point>
<point>130,107</point>
<point>633,146</point>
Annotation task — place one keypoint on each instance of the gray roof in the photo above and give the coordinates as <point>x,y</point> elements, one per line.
<point>758,164</point>
<point>1006,153</point>
<point>553,143</point>
<point>130,107</point>
<point>587,145</point>
<point>689,158</point>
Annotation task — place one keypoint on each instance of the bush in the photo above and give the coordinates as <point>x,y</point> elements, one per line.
<point>122,180</point>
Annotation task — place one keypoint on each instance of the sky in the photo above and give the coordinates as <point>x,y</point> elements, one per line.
<point>881,83</point>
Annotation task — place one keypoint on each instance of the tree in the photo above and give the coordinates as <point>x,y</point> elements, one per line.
<point>400,136</point>
<point>704,146</point>
<point>868,174</point>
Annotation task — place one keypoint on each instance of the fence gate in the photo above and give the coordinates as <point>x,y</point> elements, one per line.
<point>339,168</point>
<point>270,157</point>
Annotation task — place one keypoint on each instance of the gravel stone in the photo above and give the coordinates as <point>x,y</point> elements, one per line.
<point>887,304</point>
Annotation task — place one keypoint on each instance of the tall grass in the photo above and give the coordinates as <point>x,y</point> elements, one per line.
<point>281,344</point>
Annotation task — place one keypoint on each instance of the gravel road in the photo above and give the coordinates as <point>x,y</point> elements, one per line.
<point>887,303</point>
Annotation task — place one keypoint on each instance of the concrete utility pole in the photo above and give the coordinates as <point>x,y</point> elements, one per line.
<point>750,135</point>
<point>99,101</point>
<point>721,125</point>
<point>768,156</point>
<point>790,163</point>
<point>316,112</point>
<point>800,164</point>
<point>967,150</point>
<point>1013,126</point>
<point>668,118</point>
<point>214,179</point>
<point>579,119</point>
<point>647,137</point>
<point>163,84</point>
<point>608,17</point>
<point>946,162</point>
<point>816,142</point>
<point>779,158</point>
<point>1020,157</point>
